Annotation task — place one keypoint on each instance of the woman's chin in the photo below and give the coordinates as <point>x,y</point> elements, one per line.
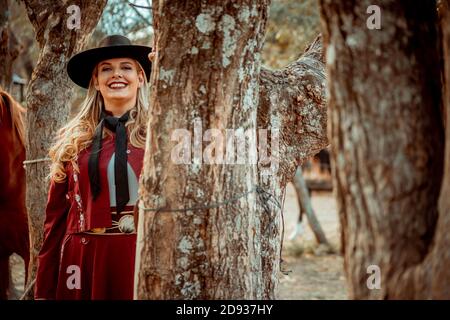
<point>119,96</point>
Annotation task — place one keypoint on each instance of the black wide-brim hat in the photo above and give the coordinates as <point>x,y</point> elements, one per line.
<point>81,65</point>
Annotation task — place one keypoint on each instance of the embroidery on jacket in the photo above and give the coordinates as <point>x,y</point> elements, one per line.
<point>81,219</point>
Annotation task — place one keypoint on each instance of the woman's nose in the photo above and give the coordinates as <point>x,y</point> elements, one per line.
<point>117,73</point>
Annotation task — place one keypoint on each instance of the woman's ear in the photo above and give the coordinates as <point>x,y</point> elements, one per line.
<point>141,78</point>
<point>96,85</point>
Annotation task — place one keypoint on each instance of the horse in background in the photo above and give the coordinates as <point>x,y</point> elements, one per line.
<point>14,236</point>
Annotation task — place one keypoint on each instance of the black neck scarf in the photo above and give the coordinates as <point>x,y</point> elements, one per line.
<point>116,125</point>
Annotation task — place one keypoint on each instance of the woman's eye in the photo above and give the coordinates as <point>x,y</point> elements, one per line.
<point>106,69</point>
<point>127,67</point>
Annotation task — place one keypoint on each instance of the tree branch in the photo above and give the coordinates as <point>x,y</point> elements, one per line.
<point>139,6</point>
<point>293,99</point>
<point>38,12</point>
<point>134,7</point>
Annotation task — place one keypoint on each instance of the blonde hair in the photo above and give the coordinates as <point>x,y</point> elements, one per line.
<point>78,134</point>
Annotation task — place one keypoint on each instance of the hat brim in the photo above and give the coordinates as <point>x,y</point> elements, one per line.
<point>81,65</point>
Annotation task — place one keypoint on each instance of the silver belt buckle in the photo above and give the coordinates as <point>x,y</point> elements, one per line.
<point>126,224</point>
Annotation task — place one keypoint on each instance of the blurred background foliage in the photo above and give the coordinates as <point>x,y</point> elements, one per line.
<point>292,25</point>
<point>131,18</point>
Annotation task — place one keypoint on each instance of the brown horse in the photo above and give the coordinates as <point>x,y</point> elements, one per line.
<point>13,215</point>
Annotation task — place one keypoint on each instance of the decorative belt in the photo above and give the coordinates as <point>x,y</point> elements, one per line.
<point>122,223</point>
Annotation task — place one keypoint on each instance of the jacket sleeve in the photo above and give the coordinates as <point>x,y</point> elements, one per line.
<point>54,230</point>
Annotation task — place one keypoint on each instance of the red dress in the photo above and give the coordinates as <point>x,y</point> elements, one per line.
<point>75,263</point>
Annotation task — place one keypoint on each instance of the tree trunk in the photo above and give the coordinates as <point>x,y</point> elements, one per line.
<point>48,97</point>
<point>208,67</point>
<point>438,259</point>
<point>387,147</point>
<point>8,52</point>
<point>305,205</point>
<point>293,100</point>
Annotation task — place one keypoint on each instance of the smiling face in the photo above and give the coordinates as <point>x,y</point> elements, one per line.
<point>118,80</point>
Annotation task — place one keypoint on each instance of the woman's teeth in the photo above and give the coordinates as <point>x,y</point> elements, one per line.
<point>117,85</point>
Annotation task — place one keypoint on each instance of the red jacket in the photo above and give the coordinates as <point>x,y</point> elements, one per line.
<point>63,213</point>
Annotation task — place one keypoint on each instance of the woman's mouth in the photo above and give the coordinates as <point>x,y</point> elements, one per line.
<point>117,85</point>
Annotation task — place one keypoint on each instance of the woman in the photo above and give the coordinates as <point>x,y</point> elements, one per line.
<point>89,239</point>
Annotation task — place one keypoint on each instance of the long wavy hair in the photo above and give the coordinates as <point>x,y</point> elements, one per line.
<point>77,135</point>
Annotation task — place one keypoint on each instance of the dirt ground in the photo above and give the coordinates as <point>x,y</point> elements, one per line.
<point>315,272</point>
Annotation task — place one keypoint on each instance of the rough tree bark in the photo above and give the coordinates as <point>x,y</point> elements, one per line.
<point>48,97</point>
<point>208,66</point>
<point>8,47</point>
<point>439,258</point>
<point>387,146</point>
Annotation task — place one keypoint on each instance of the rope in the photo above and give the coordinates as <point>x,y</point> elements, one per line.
<point>258,189</point>
<point>35,161</point>
<point>263,195</point>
